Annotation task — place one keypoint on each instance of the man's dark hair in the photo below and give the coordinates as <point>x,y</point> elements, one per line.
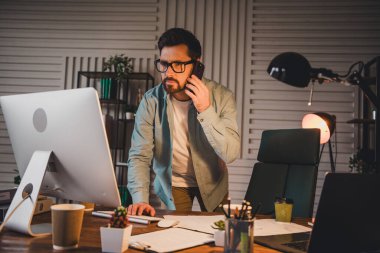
<point>177,36</point>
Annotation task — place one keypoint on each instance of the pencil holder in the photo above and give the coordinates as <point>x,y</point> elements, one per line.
<point>239,236</point>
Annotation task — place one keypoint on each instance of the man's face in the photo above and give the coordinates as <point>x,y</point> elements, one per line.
<point>172,81</point>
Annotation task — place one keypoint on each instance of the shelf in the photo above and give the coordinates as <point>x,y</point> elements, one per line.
<point>140,76</point>
<point>133,76</point>
<point>121,93</point>
<point>112,101</point>
<point>362,121</point>
<point>97,74</point>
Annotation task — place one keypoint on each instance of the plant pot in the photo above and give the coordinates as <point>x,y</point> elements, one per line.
<point>129,115</point>
<point>115,239</point>
<point>219,238</point>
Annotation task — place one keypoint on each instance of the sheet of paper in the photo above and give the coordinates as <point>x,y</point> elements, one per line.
<point>197,223</point>
<point>265,227</point>
<point>169,240</point>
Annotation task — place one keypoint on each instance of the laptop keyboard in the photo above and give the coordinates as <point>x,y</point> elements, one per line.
<point>300,245</point>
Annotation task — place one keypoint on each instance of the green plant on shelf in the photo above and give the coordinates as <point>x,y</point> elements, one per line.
<point>120,64</point>
<point>363,161</point>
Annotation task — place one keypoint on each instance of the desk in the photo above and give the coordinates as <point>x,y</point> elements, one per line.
<point>90,237</point>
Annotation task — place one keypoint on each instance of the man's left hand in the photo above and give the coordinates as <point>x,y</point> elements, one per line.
<point>198,92</point>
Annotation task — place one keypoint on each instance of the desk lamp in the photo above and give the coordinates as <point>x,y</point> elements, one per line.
<point>326,123</point>
<point>294,69</point>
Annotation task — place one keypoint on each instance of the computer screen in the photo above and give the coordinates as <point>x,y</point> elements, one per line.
<point>68,123</point>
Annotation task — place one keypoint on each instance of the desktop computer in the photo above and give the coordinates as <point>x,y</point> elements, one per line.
<point>61,150</point>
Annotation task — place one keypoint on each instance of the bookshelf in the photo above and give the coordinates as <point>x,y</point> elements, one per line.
<point>116,98</point>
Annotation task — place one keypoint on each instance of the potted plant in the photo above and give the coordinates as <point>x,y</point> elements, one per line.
<point>219,234</point>
<point>115,237</point>
<point>130,111</point>
<point>120,64</point>
<point>363,161</point>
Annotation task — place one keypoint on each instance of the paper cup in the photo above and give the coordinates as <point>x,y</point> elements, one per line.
<point>67,224</point>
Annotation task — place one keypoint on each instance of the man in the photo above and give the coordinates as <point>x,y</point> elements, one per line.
<point>188,127</point>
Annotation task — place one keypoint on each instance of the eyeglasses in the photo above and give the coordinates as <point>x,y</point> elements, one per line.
<point>177,66</point>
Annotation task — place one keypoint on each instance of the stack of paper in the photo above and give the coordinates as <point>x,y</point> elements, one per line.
<point>266,227</point>
<point>169,240</point>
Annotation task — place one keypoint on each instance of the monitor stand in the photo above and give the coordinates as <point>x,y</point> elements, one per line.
<point>20,220</point>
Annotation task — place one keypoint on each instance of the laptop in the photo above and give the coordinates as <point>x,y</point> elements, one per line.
<point>347,219</point>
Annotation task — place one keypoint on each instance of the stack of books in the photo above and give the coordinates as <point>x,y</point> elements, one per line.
<point>108,88</point>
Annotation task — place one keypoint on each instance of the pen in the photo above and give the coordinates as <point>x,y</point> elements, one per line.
<point>221,206</point>
<point>245,208</point>
<point>241,209</point>
<point>229,207</point>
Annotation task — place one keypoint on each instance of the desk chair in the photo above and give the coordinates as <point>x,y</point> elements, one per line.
<point>287,167</point>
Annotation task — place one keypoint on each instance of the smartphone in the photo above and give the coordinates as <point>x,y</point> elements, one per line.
<point>198,69</point>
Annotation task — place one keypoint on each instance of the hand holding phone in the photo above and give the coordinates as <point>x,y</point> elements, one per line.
<point>196,90</point>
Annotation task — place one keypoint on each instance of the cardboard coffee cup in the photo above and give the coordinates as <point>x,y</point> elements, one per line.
<point>67,224</point>
<point>88,206</point>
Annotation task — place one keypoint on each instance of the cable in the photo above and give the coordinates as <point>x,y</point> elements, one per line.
<point>336,146</point>
<point>351,67</point>
<point>10,215</point>
<point>320,154</point>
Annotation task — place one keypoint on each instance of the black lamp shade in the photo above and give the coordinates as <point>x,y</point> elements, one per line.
<point>291,68</point>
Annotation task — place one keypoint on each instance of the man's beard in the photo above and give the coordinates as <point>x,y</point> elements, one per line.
<point>171,89</point>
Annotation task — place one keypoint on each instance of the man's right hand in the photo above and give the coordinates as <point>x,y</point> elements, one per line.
<point>140,209</point>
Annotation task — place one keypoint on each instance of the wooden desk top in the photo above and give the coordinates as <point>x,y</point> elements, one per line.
<point>90,237</point>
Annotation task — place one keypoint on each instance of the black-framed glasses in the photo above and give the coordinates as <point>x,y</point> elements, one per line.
<point>177,66</point>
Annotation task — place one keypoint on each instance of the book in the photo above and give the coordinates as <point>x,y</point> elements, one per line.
<point>6,195</point>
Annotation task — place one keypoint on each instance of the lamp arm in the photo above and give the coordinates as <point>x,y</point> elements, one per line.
<point>357,79</point>
<point>322,74</point>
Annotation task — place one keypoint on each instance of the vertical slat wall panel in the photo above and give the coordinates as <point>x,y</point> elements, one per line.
<point>224,30</point>
<point>330,34</point>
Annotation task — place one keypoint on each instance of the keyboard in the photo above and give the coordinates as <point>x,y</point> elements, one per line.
<point>299,245</point>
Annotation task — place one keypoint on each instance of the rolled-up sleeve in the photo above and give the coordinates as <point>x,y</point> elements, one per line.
<point>221,128</point>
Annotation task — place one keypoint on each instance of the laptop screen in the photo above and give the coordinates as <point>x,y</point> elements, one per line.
<point>348,215</point>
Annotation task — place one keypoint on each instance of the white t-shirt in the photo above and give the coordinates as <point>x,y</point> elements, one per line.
<point>183,170</point>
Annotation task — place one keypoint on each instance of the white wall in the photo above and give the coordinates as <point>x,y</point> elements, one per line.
<point>44,43</point>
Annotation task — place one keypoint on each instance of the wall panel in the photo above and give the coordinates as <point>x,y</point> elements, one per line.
<point>330,34</point>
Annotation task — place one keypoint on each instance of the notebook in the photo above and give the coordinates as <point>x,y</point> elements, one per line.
<point>347,219</point>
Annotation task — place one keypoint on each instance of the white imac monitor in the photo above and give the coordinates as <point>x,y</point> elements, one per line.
<point>61,150</point>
